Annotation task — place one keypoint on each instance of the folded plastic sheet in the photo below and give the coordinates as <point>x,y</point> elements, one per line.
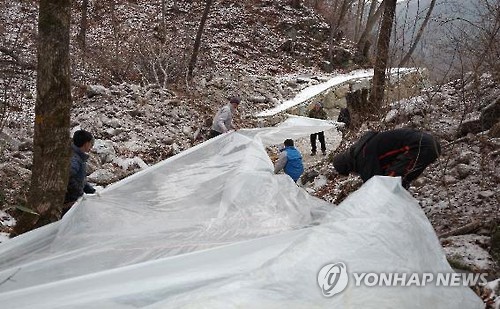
<point>214,227</point>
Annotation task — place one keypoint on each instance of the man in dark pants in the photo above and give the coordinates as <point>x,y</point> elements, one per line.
<point>319,113</point>
<point>399,152</point>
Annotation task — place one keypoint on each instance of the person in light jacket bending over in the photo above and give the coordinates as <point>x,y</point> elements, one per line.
<point>290,160</point>
<point>223,120</point>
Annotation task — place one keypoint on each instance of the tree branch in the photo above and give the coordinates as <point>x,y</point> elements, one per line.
<point>16,60</point>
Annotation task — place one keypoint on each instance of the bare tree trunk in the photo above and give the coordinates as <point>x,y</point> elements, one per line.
<point>335,6</point>
<point>115,27</point>
<point>333,30</point>
<point>384,38</point>
<point>369,20</point>
<point>82,34</point>
<point>343,11</point>
<point>331,38</point>
<point>359,18</point>
<point>163,15</point>
<point>419,35</point>
<point>465,229</point>
<point>51,141</point>
<point>370,23</point>
<point>197,42</point>
<point>4,105</point>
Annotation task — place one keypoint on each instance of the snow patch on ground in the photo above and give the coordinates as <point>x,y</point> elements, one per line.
<point>469,250</point>
<point>6,221</point>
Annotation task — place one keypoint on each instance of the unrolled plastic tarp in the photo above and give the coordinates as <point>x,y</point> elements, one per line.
<point>213,227</point>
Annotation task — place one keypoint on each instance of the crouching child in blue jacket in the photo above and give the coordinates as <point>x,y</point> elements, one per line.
<point>290,160</point>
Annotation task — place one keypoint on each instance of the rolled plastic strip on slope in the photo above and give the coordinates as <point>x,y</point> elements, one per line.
<point>217,193</point>
<point>380,228</point>
<point>294,127</point>
<point>214,227</point>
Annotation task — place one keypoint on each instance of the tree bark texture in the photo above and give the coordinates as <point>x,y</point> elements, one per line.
<point>197,42</point>
<point>384,38</point>
<point>51,143</point>
<point>295,4</point>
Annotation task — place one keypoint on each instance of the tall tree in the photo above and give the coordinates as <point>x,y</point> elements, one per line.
<point>360,9</point>
<point>373,16</point>
<point>344,8</point>
<point>419,35</point>
<point>384,38</point>
<point>51,152</point>
<point>82,34</point>
<point>163,15</point>
<point>197,42</point>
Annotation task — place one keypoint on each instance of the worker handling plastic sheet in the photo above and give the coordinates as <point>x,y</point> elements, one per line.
<point>399,152</point>
<point>223,120</point>
<point>290,160</point>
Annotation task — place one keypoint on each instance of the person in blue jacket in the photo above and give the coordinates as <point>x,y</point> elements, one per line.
<point>290,160</point>
<point>77,184</point>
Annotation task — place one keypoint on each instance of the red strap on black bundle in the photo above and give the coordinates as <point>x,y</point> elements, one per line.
<point>393,152</point>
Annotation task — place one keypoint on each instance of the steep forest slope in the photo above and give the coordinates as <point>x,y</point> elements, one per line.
<point>129,77</point>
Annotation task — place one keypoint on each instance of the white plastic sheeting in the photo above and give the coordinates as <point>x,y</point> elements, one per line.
<point>214,227</point>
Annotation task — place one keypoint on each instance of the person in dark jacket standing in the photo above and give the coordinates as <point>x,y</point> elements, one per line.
<point>399,152</point>
<point>345,117</point>
<point>290,160</point>
<point>319,113</point>
<point>77,185</point>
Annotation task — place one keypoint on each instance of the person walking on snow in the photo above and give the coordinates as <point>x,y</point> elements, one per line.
<point>289,160</point>
<point>319,113</point>
<point>223,120</point>
<point>398,152</point>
